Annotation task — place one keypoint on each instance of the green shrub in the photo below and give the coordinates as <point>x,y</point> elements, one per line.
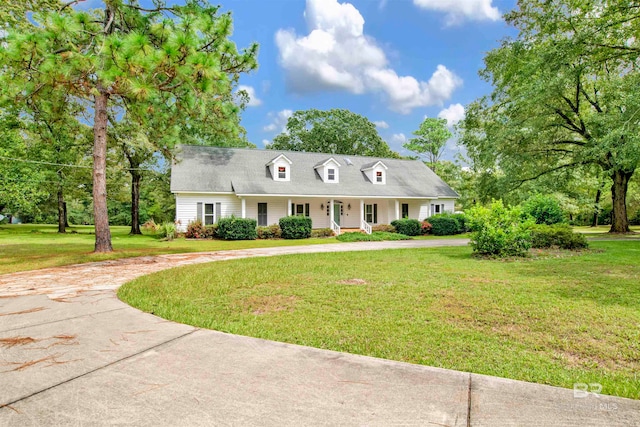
<point>269,232</point>
<point>295,227</point>
<point>195,230</point>
<point>167,230</point>
<point>408,227</point>
<point>557,235</point>
<point>388,228</point>
<point>635,220</point>
<point>543,209</point>
<point>210,231</point>
<point>462,222</point>
<point>376,236</point>
<point>322,232</point>
<point>499,231</point>
<point>445,224</point>
<point>233,228</point>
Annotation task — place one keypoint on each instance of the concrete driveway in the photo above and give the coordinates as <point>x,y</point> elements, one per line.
<point>71,353</point>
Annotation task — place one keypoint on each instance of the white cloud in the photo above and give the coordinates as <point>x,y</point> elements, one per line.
<point>381,124</point>
<point>279,121</point>
<point>398,138</point>
<point>453,113</point>
<point>265,142</point>
<point>337,55</point>
<point>460,10</point>
<point>253,98</point>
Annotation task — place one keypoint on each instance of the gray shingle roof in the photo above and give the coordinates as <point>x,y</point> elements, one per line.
<point>243,171</point>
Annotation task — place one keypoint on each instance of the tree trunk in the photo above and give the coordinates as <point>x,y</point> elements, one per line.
<point>135,201</point>
<point>61,225</point>
<point>619,220</point>
<point>100,213</point>
<point>596,208</point>
<point>66,215</point>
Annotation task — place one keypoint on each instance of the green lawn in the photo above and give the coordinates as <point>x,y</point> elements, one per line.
<point>552,320</point>
<point>29,247</point>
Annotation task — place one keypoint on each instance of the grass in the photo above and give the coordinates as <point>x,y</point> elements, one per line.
<point>29,247</point>
<point>551,320</point>
<point>602,232</point>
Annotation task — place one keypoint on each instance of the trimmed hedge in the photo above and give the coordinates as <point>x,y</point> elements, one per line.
<point>408,227</point>
<point>446,224</point>
<point>269,232</point>
<point>195,230</point>
<point>557,235</point>
<point>233,228</point>
<point>322,232</point>
<point>376,236</point>
<point>295,227</point>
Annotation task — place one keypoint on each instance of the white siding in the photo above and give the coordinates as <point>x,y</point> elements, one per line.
<point>186,206</point>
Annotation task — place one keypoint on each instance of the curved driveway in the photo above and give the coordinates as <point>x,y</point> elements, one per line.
<point>71,353</point>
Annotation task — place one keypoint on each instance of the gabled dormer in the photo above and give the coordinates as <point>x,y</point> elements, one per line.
<point>376,172</point>
<point>329,170</point>
<point>280,168</point>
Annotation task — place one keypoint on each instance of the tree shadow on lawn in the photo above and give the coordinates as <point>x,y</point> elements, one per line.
<point>612,285</point>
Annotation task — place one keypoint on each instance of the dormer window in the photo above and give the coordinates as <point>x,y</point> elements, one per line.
<point>280,168</point>
<point>328,170</point>
<point>375,172</point>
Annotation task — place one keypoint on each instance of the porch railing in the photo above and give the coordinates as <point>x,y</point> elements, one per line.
<point>364,226</point>
<point>335,227</point>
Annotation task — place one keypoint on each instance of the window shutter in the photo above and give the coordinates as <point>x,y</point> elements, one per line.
<point>199,212</point>
<point>441,208</point>
<point>375,213</point>
<point>306,209</point>
<point>218,211</point>
<point>293,209</point>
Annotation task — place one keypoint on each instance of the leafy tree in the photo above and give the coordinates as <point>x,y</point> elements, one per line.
<point>335,131</point>
<point>22,184</point>
<point>430,140</point>
<point>125,54</point>
<point>543,209</point>
<point>566,96</point>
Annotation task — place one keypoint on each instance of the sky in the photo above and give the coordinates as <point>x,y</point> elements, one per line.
<point>392,61</point>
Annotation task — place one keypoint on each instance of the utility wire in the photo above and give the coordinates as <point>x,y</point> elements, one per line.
<point>66,165</point>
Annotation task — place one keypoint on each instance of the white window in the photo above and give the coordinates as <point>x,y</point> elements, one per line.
<point>300,210</point>
<point>371,213</point>
<point>262,214</point>
<point>379,176</point>
<point>209,213</point>
<point>209,217</point>
<point>331,174</point>
<point>282,172</point>
<point>436,209</point>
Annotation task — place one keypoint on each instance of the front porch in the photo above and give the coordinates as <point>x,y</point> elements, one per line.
<point>339,214</point>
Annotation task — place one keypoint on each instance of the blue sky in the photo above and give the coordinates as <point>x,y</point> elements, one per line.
<point>393,61</point>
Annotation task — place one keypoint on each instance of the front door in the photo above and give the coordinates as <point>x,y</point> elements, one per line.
<point>337,208</point>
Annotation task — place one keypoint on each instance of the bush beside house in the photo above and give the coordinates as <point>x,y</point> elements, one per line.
<point>295,227</point>
<point>233,228</point>
<point>408,227</point>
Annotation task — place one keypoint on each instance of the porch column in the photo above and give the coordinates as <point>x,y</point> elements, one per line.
<point>289,213</point>
<point>331,212</point>
<point>361,210</point>
<point>397,209</point>
<point>244,207</point>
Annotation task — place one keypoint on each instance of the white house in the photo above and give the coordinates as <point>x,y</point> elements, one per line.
<point>336,191</point>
